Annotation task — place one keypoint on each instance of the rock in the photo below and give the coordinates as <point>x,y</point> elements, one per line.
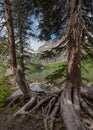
<point>16,93</point>
<point>90,84</point>
<point>35,88</point>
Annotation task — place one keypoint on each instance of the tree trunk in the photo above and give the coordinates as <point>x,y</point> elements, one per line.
<point>21,50</point>
<point>74,48</point>
<point>11,39</point>
<point>70,103</point>
<point>17,73</point>
<point>20,37</point>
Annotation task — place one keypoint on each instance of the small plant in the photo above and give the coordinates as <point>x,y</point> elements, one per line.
<point>5,84</point>
<point>4,93</point>
<point>2,70</point>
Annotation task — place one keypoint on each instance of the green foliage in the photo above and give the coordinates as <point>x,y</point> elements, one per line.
<point>50,72</point>
<point>59,71</point>
<point>4,79</point>
<point>55,66</point>
<point>35,68</point>
<point>53,16</point>
<point>4,93</point>
<point>22,16</point>
<point>5,90</point>
<point>5,83</point>
<point>87,70</point>
<point>35,72</point>
<point>53,71</point>
<point>1,47</point>
<point>2,69</point>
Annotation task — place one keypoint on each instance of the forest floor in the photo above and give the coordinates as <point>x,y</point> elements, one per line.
<point>7,123</point>
<point>33,122</point>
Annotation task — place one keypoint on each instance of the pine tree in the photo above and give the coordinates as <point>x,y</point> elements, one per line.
<point>68,102</point>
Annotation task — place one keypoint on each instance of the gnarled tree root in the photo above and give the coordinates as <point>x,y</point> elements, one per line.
<point>70,115</point>
<point>68,103</point>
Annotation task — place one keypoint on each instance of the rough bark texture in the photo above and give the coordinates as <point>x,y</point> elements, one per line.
<point>70,116</point>
<point>74,48</point>
<point>11,39</point>
<point>21,82</point>
<point>70,97</point>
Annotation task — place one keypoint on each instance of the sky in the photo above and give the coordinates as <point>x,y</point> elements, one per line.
<point>34,42</point>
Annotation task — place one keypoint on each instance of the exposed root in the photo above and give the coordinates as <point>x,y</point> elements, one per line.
<point>76,101</point>
<point>41,103</point>
<point>45,123</point>
<point>11,101</point>
<point>71,119</point>
<point>68,103</point>
<point>53,115</point>
<point>86,107</point>
<point>89,103</point>
<point>26,106</point>
<point>87,92</point>
<point>88,123</point>
<point>50,106</point>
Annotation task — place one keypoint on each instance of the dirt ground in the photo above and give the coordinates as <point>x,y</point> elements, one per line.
<point>33,122</point>
<point>20,123</point>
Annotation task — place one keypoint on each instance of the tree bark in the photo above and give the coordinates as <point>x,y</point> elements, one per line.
<point>74,48</point>
<point>11,40</point>
<point>19,76</point>
<point>70,103</point>
<point>22,52</point>
<point>20,33</point>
